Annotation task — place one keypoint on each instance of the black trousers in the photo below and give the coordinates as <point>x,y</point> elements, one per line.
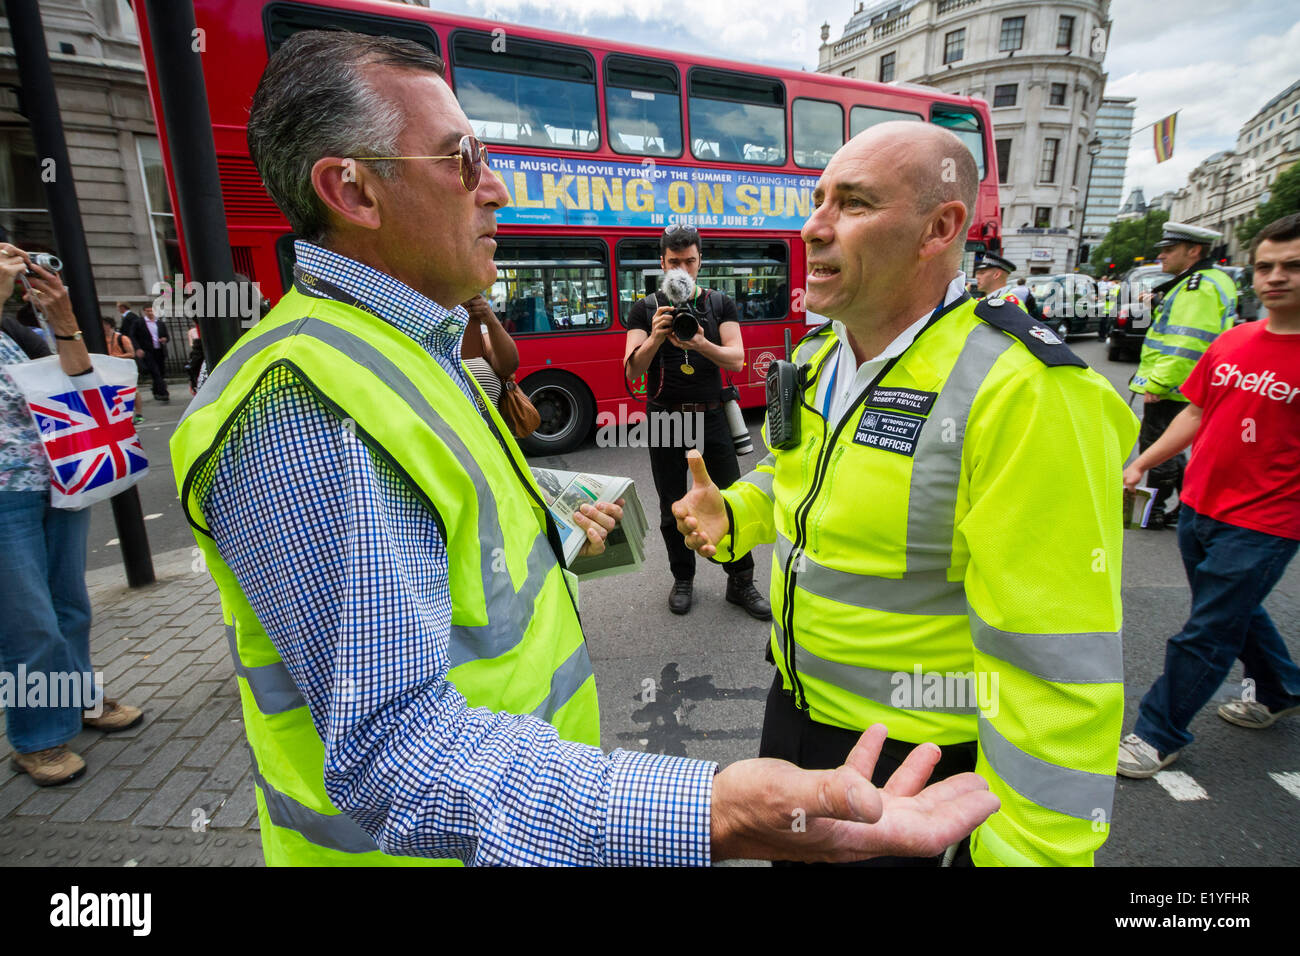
<point>1167,476</point>
<point>790,734</point>
<point>672,480</point>
<point>152,363</point>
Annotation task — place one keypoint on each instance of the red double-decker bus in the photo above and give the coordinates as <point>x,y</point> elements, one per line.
<point>600,145</point>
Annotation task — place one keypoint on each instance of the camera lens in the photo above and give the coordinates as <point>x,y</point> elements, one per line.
<point>685,324</point>
<point>47,261</point>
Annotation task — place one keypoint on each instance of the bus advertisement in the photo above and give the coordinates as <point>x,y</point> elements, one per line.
<point>600,145</point>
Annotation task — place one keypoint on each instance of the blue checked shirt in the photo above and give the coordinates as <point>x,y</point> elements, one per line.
<point>347,573</point>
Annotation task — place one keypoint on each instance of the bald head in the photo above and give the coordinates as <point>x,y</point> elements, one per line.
<point>889,223</point>
<point>934,166</point>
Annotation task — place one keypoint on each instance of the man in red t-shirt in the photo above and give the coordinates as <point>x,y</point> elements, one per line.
<point>1240,521</point>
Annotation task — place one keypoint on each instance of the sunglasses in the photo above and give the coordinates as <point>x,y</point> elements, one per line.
<point>471,155</point>
<point>678,229</point>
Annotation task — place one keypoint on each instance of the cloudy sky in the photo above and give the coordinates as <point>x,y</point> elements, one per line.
<point>1218,63</point>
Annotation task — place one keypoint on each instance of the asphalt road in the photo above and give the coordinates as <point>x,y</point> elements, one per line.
<point>695,685</point>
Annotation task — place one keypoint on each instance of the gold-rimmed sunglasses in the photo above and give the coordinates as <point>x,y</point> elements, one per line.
<point>471,155</point>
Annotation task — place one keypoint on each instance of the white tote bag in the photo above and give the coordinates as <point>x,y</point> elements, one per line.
<point>86,427</point>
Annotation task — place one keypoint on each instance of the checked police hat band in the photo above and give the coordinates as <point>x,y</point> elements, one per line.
<point>1176,232</point>
<point>991,261</point>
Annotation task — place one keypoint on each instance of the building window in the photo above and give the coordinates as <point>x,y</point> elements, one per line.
<point>1270,124</point>
<point>1005,95</point>
<point>887,68</point>
<point>954,45</point>
<point>22,195</point>
<point>851,71</point>
<point>166,243</point>
<point>1047,165</point>
<point>1058,94</point>
<point>1013,34</point>
<point>1064,32</point>
<point>1004,160</point>
<point>1042,217</point>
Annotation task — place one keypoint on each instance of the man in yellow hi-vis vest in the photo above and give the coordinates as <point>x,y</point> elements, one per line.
<point>1199,303</point>
<point>942,492</point>
<point>414,678</point>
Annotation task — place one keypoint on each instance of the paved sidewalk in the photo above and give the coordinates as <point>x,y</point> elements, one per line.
<point>173,790</point>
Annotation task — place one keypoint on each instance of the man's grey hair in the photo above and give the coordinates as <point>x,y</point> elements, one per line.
<point>314,101</point>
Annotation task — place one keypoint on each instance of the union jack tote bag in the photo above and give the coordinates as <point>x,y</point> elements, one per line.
<point>85,426</point>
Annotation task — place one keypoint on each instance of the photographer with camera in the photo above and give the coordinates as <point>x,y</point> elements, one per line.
<point>679,338</point>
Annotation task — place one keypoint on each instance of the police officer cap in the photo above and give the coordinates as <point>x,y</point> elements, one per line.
<point>990,261</point>
<point>1176,232</point>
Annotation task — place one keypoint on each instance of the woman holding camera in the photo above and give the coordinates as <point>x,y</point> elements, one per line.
<point>44,603</point>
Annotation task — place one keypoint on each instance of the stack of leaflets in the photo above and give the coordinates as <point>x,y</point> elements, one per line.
<point>566,491</point>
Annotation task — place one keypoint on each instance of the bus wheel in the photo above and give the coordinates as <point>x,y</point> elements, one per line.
<point>567,412</point>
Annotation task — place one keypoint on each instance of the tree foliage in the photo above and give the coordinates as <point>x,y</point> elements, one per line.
<point>1126,241</point>
<point>1284,199</point>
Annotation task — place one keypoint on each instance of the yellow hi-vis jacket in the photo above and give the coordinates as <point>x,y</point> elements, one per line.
<point>516,644</point>
<point>1201,305</point>
<point>948,564</point>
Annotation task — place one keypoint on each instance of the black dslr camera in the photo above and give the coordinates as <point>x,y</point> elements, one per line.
<point>686,321</point>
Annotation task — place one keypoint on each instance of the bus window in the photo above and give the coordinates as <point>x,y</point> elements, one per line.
<point>282,20</point>
<point>818,132</point>
<point>551,285</point>
<point>737,119</point>
<point>865,117</point>
<point>967,127</point>
<point>529,94</point>
<point>643,107</point>
<point>755,274</point>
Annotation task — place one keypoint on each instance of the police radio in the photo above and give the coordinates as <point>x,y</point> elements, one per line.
<point>783,401</point>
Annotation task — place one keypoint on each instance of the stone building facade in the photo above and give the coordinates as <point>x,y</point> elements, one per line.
<point>1227,188</point>
<point>112,141</point>
<point>1039,66</point>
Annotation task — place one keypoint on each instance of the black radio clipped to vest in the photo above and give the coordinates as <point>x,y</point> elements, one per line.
<point>783,401</point>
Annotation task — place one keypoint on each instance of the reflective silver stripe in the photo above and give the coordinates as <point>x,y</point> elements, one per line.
<point>920,592</point>
<point>230,365</point>
<point>1193,333</point>
<point>332,831</point>
<point>566,680</point>
<point>272,687</point>
<point>932,500</point>
<point>1173,350</point>
<point>762,480</point>
<point>879,686</point>
<point>1076,793</point>
<point>508,612</point>
<point>1091,657</point>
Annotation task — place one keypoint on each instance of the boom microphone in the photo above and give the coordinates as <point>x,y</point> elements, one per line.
<point>678,285</point>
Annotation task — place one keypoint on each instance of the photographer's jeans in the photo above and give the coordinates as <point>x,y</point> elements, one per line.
<point>44,610</point>
<point>1231,570</point>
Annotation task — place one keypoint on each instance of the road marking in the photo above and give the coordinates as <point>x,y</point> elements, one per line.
<point>151,517</point>
<point>111,542</point>
<point>1180,785</point>
<point>1290,782</point>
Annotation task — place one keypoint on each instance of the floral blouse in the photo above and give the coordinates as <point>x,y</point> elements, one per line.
<point>23,466</point>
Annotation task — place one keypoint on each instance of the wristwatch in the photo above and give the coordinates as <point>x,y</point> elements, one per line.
<point>74,337</point>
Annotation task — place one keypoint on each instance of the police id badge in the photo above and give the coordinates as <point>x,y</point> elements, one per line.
<point>889,431</point>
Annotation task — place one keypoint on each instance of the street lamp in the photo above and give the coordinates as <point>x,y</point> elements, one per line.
<point>1094,147</point>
